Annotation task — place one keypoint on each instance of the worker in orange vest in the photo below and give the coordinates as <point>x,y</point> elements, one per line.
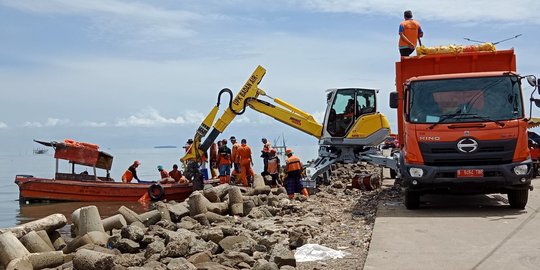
<point>224,163</point>
<point>410,33</point>
<point>244,155</point>
<point>293,182</point>
<point>274,168</point>
<point>131,173</point>
<point>234,159</point>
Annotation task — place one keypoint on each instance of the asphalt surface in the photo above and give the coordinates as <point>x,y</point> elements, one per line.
<point>457,232</point>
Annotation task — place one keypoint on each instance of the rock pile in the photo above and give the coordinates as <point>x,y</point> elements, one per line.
<point>222,227</point>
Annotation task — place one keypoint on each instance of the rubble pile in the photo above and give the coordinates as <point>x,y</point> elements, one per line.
<point>222,227</point>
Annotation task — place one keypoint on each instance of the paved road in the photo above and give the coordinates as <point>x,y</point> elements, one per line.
<point>457,232</point>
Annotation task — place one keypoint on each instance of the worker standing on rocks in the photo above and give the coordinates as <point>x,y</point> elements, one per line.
<point>244,155</point>
<point>274,168</point>
<point>224,162</point>
<point>293,182</point>
<point>234,158</point>
<point>265,154</point>
<point>131,173</point>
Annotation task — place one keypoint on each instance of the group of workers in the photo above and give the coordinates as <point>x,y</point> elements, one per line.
<point>174,176</point>
<point>236,162</point>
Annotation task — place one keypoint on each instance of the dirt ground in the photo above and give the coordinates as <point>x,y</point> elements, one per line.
<point>349,216</point>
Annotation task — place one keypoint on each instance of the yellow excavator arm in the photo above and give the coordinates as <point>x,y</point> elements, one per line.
<point>248,97</point>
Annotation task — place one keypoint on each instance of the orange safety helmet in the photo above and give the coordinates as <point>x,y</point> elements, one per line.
<point>289,151</point>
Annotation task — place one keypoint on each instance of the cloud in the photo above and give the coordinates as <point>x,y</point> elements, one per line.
<point>141,21</point>
<point>3,125</point>
<point>50,122</point>
<point>519,11</point>
<point>151,117</point>
<point>87,123</point>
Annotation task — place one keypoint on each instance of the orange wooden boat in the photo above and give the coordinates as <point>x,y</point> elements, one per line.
<point>34,189</point>
<point>88,187</point>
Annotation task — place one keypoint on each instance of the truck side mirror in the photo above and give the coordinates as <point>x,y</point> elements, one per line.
<point>393,100</point>
<point>531,79</point>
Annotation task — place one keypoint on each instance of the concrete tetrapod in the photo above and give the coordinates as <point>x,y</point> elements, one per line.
<point>34,243</point>
<point>90,220</point>
<point>114,222</point>
<point>11,248</point>
<point>57,241</point>
<point>49,224</point>
<point>236,202</point>
<point>43,234</point>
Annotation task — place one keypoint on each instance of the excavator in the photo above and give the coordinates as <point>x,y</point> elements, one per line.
<point>351,129</point>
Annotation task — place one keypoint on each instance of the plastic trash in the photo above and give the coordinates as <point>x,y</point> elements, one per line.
<point>315,252</point>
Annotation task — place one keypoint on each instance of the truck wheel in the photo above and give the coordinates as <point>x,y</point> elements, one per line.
<point>518,198</point>
<point>412,200</point>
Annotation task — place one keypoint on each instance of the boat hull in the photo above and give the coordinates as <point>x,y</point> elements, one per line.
<point>31,188</point>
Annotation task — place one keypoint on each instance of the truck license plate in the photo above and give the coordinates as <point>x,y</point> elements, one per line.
<point>470,173</point>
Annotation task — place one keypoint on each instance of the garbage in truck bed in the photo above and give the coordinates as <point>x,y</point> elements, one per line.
<point>455,49</point>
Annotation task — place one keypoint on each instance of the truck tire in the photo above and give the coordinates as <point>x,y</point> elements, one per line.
<point>412,199</point>
<point>518,198</point>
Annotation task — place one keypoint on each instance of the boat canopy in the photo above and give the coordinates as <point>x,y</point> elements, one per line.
<point>81,153</point>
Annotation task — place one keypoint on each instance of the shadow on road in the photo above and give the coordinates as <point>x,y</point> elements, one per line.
<point>493,206</point>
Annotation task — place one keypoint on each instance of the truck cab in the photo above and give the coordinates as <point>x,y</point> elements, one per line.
<point>462,126</point>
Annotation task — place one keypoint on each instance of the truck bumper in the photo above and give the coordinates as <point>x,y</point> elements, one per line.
<point>444,179</point>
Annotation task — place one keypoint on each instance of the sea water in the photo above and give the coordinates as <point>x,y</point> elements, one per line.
<point>43,165</point>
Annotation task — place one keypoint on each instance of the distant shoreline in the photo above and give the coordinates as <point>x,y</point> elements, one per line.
<point>165,146</point>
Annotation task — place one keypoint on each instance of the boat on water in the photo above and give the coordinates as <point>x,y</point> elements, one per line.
<point>40,151</point>
<point>84,186</point>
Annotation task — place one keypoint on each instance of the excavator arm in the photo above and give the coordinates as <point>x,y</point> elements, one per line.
<point>248,97</point>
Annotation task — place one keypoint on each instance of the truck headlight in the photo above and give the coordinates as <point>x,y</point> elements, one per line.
<point>416,172</point>
<point>521,169</point>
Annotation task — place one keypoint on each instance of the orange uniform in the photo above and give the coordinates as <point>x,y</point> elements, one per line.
<point>244,156</point>
<point>412,30</point>
<point>176,175</point>
<point>234,159</point>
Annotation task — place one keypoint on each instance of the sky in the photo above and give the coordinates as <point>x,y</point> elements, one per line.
<point>135,74</point>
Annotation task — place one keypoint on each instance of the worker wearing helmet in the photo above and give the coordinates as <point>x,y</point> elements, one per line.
<point>131,173</point>
<point>244,155</point>
<point>293,168</point>
<point>274,168</point>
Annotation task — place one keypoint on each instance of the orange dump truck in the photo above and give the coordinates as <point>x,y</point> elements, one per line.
<point>462,126</point>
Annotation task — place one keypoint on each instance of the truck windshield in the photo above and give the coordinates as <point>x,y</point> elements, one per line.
<point>465,100</point>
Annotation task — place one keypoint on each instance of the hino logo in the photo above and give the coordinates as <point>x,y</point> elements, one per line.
<point>429,138</point>
<point>467,145</point>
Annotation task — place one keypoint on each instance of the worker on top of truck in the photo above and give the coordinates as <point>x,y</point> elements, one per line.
<point>409,34</point>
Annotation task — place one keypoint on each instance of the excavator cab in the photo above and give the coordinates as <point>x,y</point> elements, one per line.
<point>345,106</point>
<point>352,119</point>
